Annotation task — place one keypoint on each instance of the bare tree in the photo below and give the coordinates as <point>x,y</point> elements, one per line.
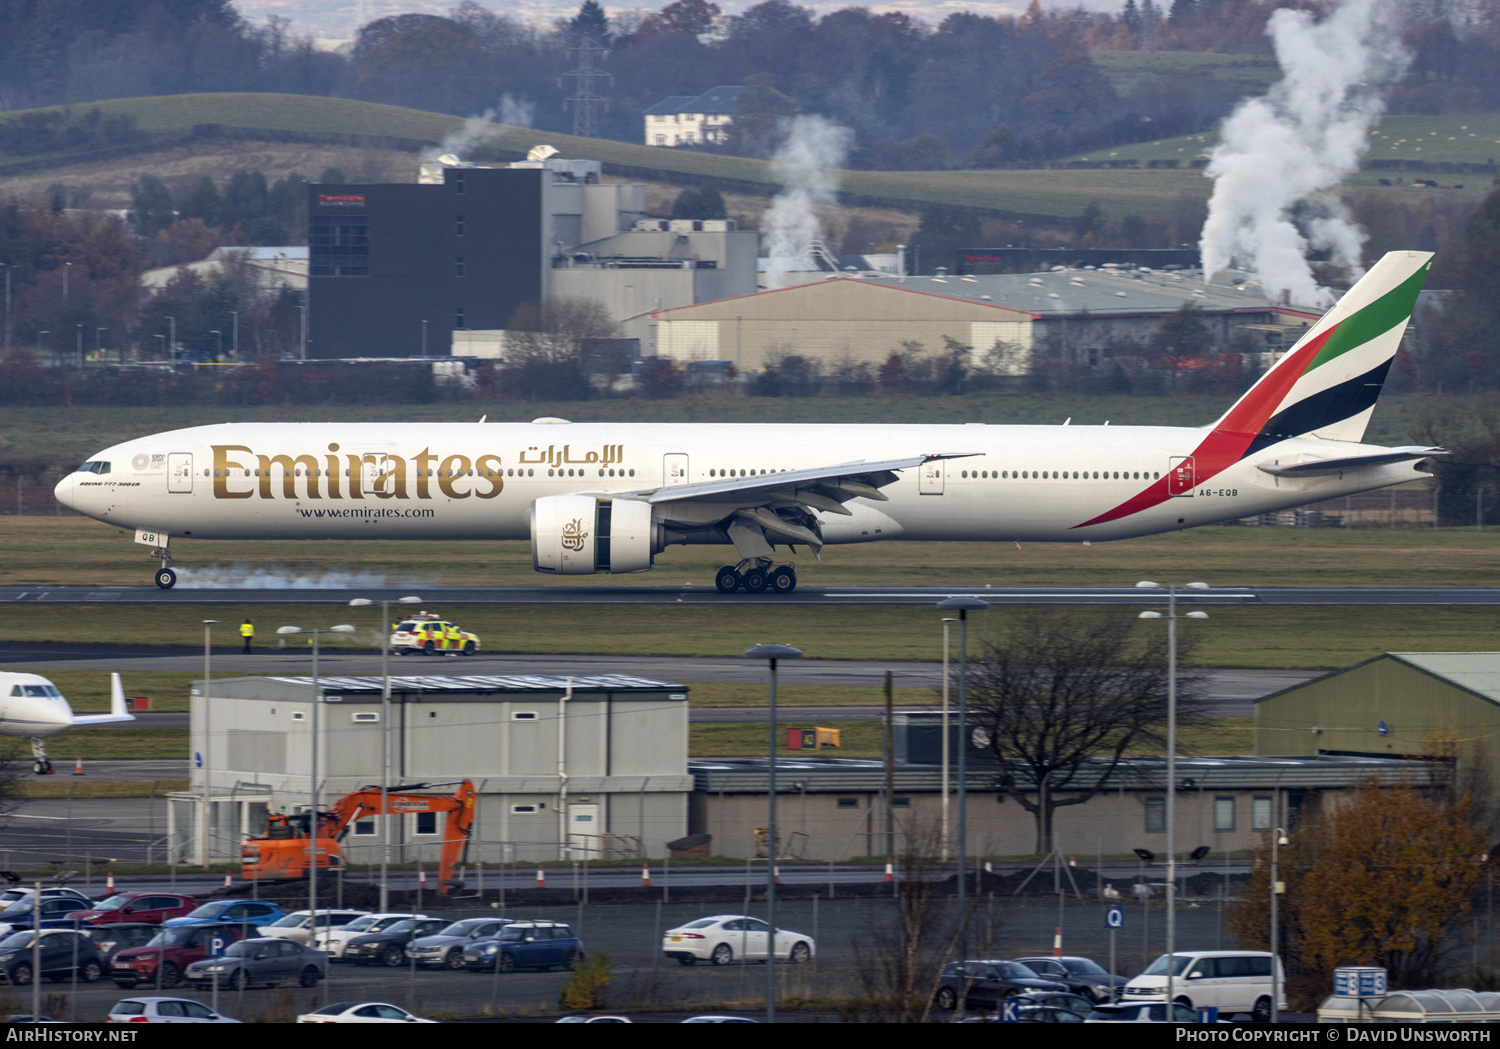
<point>1062,696</point>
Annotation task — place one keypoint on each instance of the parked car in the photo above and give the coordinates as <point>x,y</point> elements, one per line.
<point>152,908</point>
<point>1140,1012</point>
<point>334,940</point>
<point>301,925</point>
<point>361,1013</point>
<point>445,949</point>
<point>1083,976</point>
<point>112,939</point>
<point>986,982</point>
<point>62,952</point>
<point>594,1018</point>
<point>253,912</point>
<point>1233,981</point>
<point>724,937</point>
<point>16,895</point>
<point>164,1011</point>
<point>1056,1000</point>
<point>388,946</point>
<point>21,914</point>
<point>526,945</point>
<point>263,961</point>
<point>173,949</point>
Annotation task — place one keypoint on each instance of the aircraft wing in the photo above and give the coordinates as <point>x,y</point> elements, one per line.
<point>117,712</point>
<point>1346,463</point>
<point>757,512</point>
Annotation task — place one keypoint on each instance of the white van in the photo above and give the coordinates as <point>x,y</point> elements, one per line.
<point>1232,981</point>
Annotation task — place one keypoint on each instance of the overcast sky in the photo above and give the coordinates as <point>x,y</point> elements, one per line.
<point>338,19</point>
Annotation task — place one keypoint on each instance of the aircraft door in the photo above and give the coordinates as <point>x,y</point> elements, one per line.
<point>180,472</point>
<point>1181,477</point>
<point>674,468</point>
<point>930,480</point>
<point>376,474</point>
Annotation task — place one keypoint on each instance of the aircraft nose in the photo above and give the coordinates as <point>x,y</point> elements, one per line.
<point>66,491</point>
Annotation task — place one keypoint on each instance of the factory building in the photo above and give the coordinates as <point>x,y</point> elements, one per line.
<point>565,768</point>
<point>439,266</point>
<point>1073,317</point>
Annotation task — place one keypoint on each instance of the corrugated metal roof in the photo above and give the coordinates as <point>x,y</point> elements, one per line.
<point>1242,772</point>
<point>718,101</point>
<point>669,106</point>
<point>1097,291</point>
<point>486,683</point>
<point>1479,672</point>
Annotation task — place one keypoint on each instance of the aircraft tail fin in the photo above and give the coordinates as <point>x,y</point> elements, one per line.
<point>1326,386</point>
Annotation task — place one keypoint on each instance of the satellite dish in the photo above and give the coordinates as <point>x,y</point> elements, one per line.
<point>541,153</point>
<point>449,160</point>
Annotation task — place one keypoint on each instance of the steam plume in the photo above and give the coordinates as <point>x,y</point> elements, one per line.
<point>807,166</point>
<point>1281,158</point>
<point>474,130</point>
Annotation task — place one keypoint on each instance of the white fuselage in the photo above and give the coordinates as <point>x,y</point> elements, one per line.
<point>32,706</point>
<point>478,480</point>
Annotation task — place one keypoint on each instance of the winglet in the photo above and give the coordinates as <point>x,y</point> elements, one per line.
<point>117,706</point>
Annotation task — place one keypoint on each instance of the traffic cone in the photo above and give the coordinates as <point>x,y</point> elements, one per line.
<point>1072,861</point>
<point>109,884</point>
<point>226,880</point>
<point>421,877</point>
<point>1057,943</point>
<point>78,766</point>
<point>645,876</point>
<point>890,871</point>
<point>541,878</point>
<point>776,873</point>
<point>987,868</point>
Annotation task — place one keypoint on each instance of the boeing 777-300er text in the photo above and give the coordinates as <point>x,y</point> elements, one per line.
<point>608,497</point>
<point>32,706</point>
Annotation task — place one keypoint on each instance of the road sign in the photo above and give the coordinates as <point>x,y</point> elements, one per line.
<point>1009,1013</point>
<point>1359,981</point>
<point>1114,918</point>
<point>216,946</point>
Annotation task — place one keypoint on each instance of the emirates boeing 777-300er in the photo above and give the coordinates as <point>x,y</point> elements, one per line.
<point>608,497</point>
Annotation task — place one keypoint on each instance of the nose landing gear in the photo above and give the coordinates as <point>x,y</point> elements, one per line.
<point>165,577</point>
<point>39,763</point>
<point>756,575</point>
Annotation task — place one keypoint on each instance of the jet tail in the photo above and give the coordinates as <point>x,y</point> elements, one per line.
<point>1326,386</point>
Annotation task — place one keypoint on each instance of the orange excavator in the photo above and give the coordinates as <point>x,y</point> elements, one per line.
<point>282,854</point>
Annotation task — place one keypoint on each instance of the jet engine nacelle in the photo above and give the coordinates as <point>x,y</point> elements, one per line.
<point>583,534</point>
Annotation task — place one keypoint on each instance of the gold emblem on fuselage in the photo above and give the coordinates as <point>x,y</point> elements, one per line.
<point>573,535</point>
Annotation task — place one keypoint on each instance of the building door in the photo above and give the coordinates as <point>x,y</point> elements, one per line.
<point>180,472</point>
<point>675,468</point>
<point>583,831</point>
<point>1181,478</point>
<point>930,480</point>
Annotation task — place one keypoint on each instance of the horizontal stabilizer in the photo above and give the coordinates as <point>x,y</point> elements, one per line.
<point>1349,462</point>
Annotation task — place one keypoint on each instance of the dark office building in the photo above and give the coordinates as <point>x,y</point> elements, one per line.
<point>396,268</point>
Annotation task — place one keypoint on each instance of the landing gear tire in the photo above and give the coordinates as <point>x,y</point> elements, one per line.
<point>756,581</point>
<point>41,768</point>
<point>728,580</point>
<point>783,579</point>
<point>166,578</point>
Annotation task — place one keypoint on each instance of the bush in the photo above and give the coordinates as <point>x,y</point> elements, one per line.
<point>585,990</point>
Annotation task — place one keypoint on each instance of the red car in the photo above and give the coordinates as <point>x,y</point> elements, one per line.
<point>151,908</point>
<point>174,949</point>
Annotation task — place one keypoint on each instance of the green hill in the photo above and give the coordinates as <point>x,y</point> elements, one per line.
<point>1149,193</point>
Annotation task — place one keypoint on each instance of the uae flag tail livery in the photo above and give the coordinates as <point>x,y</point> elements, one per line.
<point>1325,388</point>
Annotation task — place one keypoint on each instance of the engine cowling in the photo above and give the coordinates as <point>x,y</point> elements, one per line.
<point>583,534</point>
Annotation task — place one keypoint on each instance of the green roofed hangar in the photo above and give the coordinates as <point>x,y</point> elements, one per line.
<point>1415,705</point>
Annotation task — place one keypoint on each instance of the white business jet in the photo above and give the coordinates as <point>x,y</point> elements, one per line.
<point>32,706</point>
<point>608,497</point>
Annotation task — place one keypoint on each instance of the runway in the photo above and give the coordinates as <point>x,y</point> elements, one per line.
<point>1231,692</point>
<point>706,595</point>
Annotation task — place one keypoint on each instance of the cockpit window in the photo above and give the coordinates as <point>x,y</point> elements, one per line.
<point>97,466</point>
<point>43,691</point>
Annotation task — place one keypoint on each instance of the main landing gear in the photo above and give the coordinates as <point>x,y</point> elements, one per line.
<point>757,575</point>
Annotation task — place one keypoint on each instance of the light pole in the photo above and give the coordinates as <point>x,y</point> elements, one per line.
<point>1171,618</point>
<point>771,653</point>
<point>313,822</point>
<point>99,344</point>
<point>80,346</point>
<point>8,268</point>
<point>67,269</point>
<point>946,621</point>
<point>219,344</point>
<point>963,606</point>
<point>385,732</point>
<point>1278,838</point>
<point>302,333</point>
<point>172,339</point>
<point>234,341</point>
<point>207,822</point>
